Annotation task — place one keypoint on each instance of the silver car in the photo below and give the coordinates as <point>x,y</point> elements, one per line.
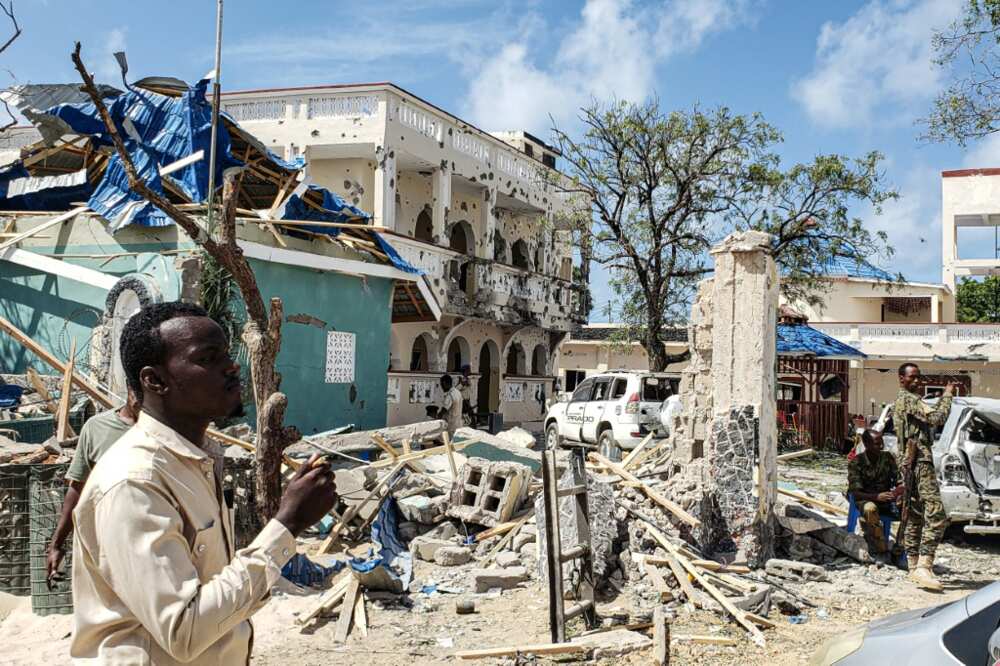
<point>967,460</point>
<point>959,632</point>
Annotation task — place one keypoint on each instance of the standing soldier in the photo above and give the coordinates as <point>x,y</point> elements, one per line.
<point>915,421</point>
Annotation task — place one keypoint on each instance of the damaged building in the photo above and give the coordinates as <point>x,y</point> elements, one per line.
<point>480,214</point>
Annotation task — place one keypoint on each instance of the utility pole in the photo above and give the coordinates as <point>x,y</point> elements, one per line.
<point>216,93</point>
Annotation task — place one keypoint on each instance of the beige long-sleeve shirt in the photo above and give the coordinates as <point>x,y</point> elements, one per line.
<point>155,577</point>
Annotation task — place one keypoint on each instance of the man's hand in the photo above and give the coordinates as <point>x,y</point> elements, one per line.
<point>309,496</point>
<point>953,388</point>
<point>53,560</point>
<point>887,496</point>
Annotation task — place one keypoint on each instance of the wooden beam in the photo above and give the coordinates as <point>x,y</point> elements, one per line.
<point>330,598</point>
<point>347,612</point>
<point>627,462</point>
<point>661,637</point>
<point>795,454</point>
<point>667,504</point>
<point>514,650</point>
<point>63,429</point>
<point>654,575</point>
<point>683,580</point>
<point>360,615</point>
<point>353,511</point>
<point>451,454</point>
<point>413,299</point>
<point>704,640</point>
<point>48,403</point>
<point>59,219</point>
<point>802,497</point>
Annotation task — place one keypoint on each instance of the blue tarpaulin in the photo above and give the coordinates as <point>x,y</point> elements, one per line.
<point>19,190</point>
<point>306,573</point>
<point>804,340</point>
<point>389,564</point>
<point>394,257</point>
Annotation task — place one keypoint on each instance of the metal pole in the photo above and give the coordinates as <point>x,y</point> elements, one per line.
<point>215,115</point>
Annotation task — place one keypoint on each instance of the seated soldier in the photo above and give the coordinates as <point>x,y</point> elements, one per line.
<point>873,480</point>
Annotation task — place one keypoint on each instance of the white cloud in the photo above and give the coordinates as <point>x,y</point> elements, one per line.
<point>613,50</point>
<point>877,65</point>
<point>106,67</point>
<point>985,154</point>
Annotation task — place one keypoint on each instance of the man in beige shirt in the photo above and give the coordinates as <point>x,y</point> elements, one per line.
<point>451,405</point>
<point>156,579</point>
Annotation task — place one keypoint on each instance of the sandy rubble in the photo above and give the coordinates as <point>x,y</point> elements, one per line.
<point>425,629</point>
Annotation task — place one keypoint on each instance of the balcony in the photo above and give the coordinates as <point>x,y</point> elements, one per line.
<point>916,341</point>
<point>472,287</point>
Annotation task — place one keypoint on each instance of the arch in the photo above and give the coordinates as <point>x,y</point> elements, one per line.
<point>488,387</point>
<point>516,361</point>
<point>539,361</point>
<point>458,354</point>
<point>500,248</point>
<point>461,238</point>
<point>519,255</point>
<point>420,354</point>
<point>424,230</point>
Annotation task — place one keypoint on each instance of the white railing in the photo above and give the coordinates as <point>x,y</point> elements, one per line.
<point>261,109</point>
<point>901,332</point>
<point>433,260</point>
<point>418,120</point>
<point>465,142</point>
<point>974,332</point>
<point>931,333</point>
<point>341,106</point>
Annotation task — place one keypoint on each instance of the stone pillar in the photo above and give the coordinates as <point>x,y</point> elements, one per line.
<point>385,188</point>
<point>488,223</point>
<point>441,189</point>
<point>688,435</point>
<point>742,443</point>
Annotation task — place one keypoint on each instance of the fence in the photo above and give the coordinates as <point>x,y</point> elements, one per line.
<point>824,421</point>
<point>15,576</point>
<point>46,490</point>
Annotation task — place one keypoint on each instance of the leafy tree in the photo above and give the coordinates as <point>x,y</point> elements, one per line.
<point>979,300</point>
<point>664,187</point>
<point>969,108</point>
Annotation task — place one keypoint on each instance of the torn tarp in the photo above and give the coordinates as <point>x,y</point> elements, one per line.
<point>305,573</point>
<point>335,210</point>
<point>389,565</point>
<point>19,190</point>
<point>394,257</point>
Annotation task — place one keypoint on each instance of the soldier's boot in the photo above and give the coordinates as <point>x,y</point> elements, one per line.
<point>923,574</point>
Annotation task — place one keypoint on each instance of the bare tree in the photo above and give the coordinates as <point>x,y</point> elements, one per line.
<point>8,10</point>
<point>262,331</point>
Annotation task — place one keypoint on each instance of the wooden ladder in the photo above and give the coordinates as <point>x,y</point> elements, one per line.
<point>556,556</point>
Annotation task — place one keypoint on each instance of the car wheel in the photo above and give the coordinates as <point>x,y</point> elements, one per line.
<point>552,436</point>
<point>608,446</point>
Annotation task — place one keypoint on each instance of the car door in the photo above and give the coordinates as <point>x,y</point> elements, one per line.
<point>573,420</point>
<point>594,409</point>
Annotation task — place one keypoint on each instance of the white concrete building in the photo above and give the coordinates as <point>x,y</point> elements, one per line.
<point>477,212</point>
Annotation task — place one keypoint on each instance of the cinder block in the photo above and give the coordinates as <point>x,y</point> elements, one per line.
<point>487,493</point>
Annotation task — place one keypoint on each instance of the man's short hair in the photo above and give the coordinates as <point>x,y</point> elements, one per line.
<point>903,368</point>
<point>446,382</point>
<point>141,344</point>
<point>869,435</point>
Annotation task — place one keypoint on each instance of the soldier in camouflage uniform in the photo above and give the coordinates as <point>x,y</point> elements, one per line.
<point>915,421</point>
<point>873,482</point>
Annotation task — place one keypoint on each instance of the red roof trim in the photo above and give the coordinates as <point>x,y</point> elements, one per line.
<point>962,173</point>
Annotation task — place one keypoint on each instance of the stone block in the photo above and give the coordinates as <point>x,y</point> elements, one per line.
<point>488,493</point>
<point>422,509</point>
<point>794,570</point>
<point>484,580</point>
<point>523,538</point>
<point>424,547</point>
<point>518,437</point>
<point>507,559</point>
<point>616,643</point>
<point>852,545</point>
<point>452,556</point>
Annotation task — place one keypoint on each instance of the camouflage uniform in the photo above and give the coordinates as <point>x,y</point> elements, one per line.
<point>872,478</point>
<point>915,421</point>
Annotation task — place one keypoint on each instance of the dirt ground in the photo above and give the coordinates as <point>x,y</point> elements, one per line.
<point>421,629</point>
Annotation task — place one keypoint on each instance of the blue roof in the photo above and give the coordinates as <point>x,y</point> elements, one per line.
<point>804,340</point>
<point>855,268</point>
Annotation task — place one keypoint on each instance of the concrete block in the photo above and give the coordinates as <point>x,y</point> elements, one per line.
<point>615,643</point>
<point>424,547</point>
<point>507,559</point>
<point>484,580</point>
<point>794,570</point>
<point>452,556</point>
<point>523,538</point>
<point>422,509</point>
<point>488,493</point>
<point>518,437</point>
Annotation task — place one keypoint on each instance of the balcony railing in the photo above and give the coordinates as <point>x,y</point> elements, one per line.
<point>960,335</point>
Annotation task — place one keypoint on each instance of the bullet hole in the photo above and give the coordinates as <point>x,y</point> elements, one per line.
<point>314,133</point>
<point>449,131</point>
<point>392,182</point>
<point>491,175</point>
<point>402,138</point>
<point>355,201</point>
<point>347,184</point>
<point>464,206</point>
<point>343,135</point>
<point>353,393</point>
<point>392,154</point>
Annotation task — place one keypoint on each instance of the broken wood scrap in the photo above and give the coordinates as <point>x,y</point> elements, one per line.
<point>63,429</point>
<point>654,575</point>
<point>48,403</point>
<point>347,613</point>
<point>794,454</point>
<point>704,640</point>
<point>514,650</point>
<point>802,497</point>
<point>661,637</point>
<point>628,460</point>
<point>503,528</point>
<point>361,615</point>
<point>330,599</point>
<point>667,504</point>
<point>353,511</point>
<point>511,533</point>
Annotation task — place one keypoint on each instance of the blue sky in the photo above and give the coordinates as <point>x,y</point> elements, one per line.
<point>844,77</point>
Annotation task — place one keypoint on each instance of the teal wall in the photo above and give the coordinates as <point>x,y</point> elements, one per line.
<point>52,310</point>
<point>343,303</point>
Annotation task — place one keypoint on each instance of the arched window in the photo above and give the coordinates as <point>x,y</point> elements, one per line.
<point>461,238</point>
<point>516,360</point>
<point>458,354</point>
<point>519,255</point>
<point>499,248</point>
<point>419,355</point>
<point>425,227</point>
<point>538,358</point>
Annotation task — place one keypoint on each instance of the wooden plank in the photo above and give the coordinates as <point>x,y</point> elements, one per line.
<point>667,504</point>
<point>627,462</point>
<point>347,613</point>
<point>826,506</point>
<point>512,532</point>
<point>514,650</point>
<point>413,299</point>
<point>330,598</point>
<point>712,565</point>
<point>661,637</point>
<point>181,163</point>
<point>63,429</point>
<point>502,528</point>
<point>360,615</point>
<point>654,575</point>
<point>353,511</point>
<point>384,445</point>
<point>683,580</point>
<point>48,403</point>
<point>705,640</point>
<point>795,454</point>
<point>446,437</point>
<point>59,219</point>
<point>738,614</point>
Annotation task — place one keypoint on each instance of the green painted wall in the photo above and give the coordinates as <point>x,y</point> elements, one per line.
<point>54,310</point>
<point>343,303</point>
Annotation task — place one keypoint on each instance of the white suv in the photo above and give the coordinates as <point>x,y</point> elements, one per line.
<point>614,410</point>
